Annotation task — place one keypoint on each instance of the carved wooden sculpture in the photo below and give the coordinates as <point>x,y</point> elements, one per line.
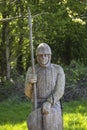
<point>50,83</point>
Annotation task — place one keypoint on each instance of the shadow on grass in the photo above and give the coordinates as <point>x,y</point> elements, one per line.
<point>78,106</point>
<point>14,111</point>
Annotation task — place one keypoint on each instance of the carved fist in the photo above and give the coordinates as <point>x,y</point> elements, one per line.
<point>32,78</point>
<point>46,108</point>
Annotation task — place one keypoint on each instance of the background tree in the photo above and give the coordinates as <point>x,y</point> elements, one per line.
<point>61,24</point>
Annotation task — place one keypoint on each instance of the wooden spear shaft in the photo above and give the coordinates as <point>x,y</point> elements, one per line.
<point>32,58</point>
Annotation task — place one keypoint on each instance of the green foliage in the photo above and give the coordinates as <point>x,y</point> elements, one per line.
<point>75,72</point>
<point>6,89</point>
<point>14,86</point>
<point>64,30</point>
<point>61,24</point>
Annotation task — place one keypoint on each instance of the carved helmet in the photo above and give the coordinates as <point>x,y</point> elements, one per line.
<point>43,48</point>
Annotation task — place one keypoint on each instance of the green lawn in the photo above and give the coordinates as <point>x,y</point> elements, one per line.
<point>75,115</point>
<point>13,115</point>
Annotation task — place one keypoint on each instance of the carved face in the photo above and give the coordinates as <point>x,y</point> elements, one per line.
<point>43,53</point>
<point>44,59</point>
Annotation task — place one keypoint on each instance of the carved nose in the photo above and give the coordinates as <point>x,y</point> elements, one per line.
<point>43,56</point>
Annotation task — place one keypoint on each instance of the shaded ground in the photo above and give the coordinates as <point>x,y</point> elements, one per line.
<point>76,92</point>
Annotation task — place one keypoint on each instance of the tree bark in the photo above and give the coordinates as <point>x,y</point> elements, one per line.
<point>7,56</point>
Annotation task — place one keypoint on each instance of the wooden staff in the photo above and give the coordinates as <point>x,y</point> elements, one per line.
<point>32,58</point>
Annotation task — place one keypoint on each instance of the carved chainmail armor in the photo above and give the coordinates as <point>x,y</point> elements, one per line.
<point>50,89</point>
<point>50,83</point>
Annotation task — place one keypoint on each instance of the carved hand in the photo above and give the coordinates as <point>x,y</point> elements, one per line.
<point>46,108</point>
<point>32,78</point>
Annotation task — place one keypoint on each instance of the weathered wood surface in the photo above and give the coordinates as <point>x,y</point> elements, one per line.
<point>51,121</point>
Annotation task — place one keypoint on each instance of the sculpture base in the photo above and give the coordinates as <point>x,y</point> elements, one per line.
<point>51,121</point>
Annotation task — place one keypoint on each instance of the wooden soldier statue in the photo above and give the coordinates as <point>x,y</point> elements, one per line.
<point>50,83</point>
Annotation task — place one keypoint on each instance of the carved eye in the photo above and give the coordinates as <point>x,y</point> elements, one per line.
<point>43,55</point>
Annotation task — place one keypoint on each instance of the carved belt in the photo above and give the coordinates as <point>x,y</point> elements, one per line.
<point>40,101</point>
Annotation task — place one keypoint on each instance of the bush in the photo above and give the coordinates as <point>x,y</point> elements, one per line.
<point>76,81</point>
<point>75,73</point>
<point>6,89</point>
<point>12,87</point>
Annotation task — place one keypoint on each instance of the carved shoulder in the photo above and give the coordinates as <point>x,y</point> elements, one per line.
<point>57,67</point>
<point>30,69</point>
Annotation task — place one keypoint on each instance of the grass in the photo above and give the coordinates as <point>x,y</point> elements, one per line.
<point>13,114</point>
<point>75,115</point>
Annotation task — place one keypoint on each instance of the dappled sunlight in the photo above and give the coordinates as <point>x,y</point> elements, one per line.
<point>75,121</point>
<point>13,115</point>
<point>75,16</point>
<point>11,126</point>
<point>76,118</point>
<point>78,20</point>
<point>64,1</point>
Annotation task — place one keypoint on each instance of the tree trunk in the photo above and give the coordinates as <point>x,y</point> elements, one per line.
<point>7,56</point>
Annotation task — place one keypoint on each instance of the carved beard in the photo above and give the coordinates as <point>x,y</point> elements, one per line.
<point>44,62</point>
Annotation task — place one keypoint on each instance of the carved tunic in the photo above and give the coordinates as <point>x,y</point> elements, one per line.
<point>50,87</point>
<point>50,82</point>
